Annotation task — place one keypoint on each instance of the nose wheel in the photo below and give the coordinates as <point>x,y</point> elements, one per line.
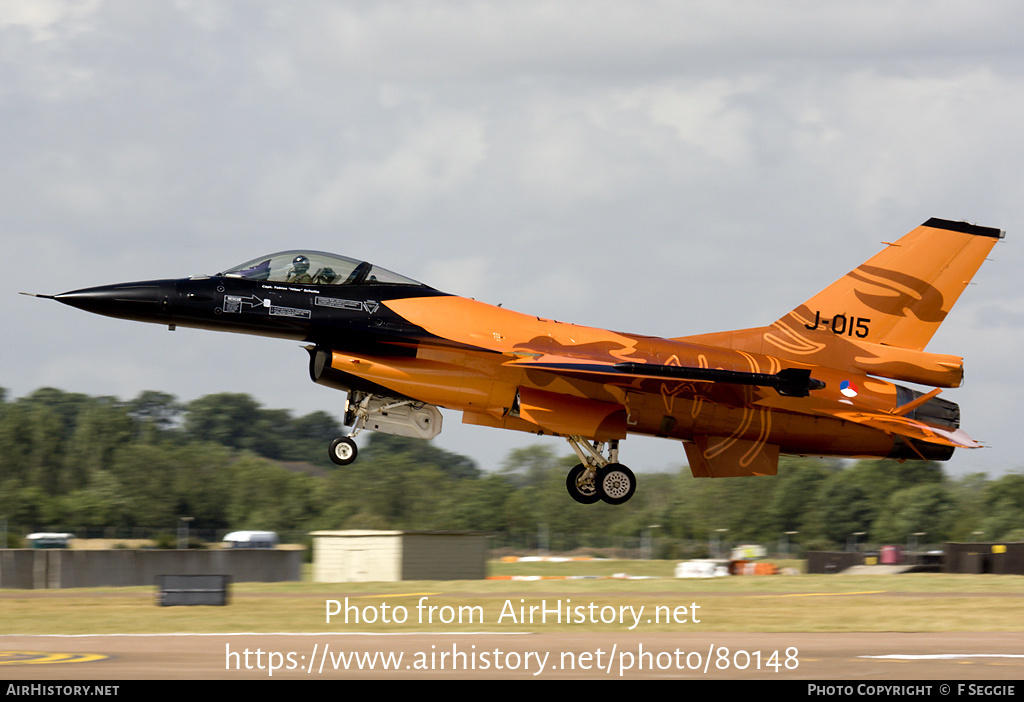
<point>343,451</point>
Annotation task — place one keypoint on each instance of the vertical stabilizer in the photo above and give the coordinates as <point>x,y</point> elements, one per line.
<point>901,295</point>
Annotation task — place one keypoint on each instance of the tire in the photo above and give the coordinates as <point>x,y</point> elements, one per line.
<point>343,451</point>
<point>586,494</point>
<point>615,483</point>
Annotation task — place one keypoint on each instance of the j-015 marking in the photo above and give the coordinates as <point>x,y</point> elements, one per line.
<point>840,325</point>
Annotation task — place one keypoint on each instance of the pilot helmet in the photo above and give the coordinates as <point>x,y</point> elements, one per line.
<point>300,264</point>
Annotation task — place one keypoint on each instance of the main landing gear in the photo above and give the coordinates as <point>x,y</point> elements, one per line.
<point>596,477</point>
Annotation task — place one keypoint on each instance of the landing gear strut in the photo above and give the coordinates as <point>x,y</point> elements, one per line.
<point>581,486</point>
<point>596,477</point>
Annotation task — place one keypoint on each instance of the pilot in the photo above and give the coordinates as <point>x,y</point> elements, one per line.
<point>300,271</point>
<point>325,276</point>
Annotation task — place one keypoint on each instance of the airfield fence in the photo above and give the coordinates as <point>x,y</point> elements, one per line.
<point>135,537</point>
<point>64,568</point>
<point>649,544</point>
<point>643,547</point>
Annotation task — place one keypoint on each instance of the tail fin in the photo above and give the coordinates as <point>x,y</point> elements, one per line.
<point>878,318</point>
<point>901,295</point>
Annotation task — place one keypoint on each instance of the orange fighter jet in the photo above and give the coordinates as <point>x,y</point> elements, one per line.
<point>810,383</point>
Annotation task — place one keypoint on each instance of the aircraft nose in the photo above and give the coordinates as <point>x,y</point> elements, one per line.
<point>144,301</point>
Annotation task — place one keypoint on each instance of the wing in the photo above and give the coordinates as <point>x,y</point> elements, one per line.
<point>789,382</point>
<point>726,385</point>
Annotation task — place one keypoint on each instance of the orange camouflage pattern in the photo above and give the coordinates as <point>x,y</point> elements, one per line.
<point>510,370</point>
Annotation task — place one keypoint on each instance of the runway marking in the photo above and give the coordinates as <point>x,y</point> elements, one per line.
<point>827,594</point>
<point>272,633</point>
<point>943,656</point>
<point>400,594</point>
<point>40,658</point>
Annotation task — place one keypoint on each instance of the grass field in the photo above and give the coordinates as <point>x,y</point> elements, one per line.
<point>797,603</point>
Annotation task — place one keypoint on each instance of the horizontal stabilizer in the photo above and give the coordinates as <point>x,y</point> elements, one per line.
<point>906,427</point>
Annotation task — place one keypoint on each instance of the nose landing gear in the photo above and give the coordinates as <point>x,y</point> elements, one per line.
<point>343,451</point>
<point>388,415</point>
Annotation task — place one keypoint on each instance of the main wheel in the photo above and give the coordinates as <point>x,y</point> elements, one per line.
<point>615,483</point>
<point>583,491</point>
<point>343,451</point>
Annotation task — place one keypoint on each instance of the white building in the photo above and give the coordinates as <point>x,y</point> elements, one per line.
<point>361,556</point>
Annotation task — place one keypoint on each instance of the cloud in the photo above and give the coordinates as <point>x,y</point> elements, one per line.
<point>430,160</point>
<point>659,167</point>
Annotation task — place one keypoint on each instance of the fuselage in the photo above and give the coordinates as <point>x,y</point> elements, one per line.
<point>406,340</point>
<point>809,383</point>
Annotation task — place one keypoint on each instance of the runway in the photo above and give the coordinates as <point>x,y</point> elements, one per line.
<point>930,658</point>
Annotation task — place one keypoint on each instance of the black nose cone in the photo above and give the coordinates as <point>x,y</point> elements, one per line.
<point>149,301</point>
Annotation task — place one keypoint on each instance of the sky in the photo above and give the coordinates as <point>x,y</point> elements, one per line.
<point>662,168</point>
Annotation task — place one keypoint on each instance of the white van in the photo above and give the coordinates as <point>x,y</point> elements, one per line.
<point>49,540</point>
<point>250,539</point>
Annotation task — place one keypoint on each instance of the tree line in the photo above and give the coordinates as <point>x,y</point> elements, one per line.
<point>72,462</point>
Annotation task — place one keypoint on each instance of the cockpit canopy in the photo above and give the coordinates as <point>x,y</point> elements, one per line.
<point>315,268</point>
